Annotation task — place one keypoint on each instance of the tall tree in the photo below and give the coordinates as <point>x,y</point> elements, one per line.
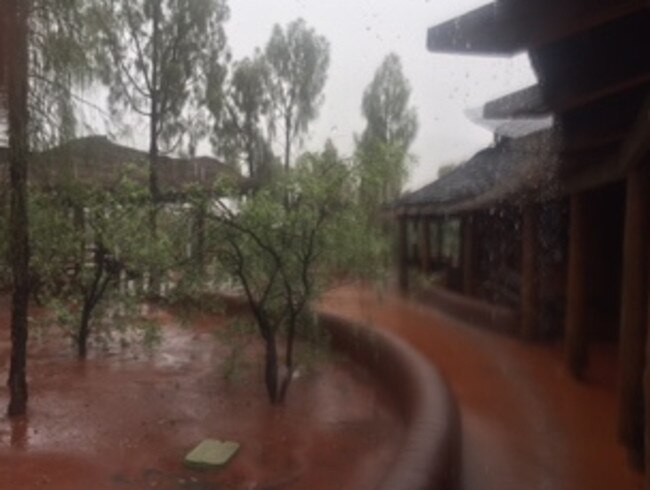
<point>157,55</point>
<point>298,61</point>
<point>241,116</point>
<point>389,119</point>
<point>16,32</point>
<point>60,60</point>
<point>391,126</point>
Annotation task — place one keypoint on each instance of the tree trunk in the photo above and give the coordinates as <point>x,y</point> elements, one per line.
<point>199,254</point>
<point>287,141</point>
<point>84,330</point>
<point>271,369</point>
<point>17,63</point>
<point>291,337</point>
<point>154,119</point>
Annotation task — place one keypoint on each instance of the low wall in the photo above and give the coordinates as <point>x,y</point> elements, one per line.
<point>430,455</point>
<point>472,310</point>
<point>429,458</point>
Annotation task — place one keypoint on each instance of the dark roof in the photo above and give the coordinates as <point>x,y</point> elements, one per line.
<point>507,27</point>
<point>98,161</point>
<point>511,170</point>
<point>592,62</point>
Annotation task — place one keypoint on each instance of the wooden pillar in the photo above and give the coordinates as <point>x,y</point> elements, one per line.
<point>441,242</point>
<point>646,382</point>
<point>467,253</point>
<point>634,315</point>
<point>529,272</point>
<point>402,254</point>
<point>425,244</point>
<point>576,316</point>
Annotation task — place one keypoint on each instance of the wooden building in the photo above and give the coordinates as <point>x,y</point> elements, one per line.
<point>553,226</point>
<point>97,161</point>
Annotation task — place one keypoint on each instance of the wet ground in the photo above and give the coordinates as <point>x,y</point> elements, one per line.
<point>124,419</point>
<point>526,423</point>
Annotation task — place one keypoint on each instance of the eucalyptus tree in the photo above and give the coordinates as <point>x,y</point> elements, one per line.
<point>241,115</point>
<point>391,126</point>
<point>157,56</point>
<point>60,62</point>
<point>298,60</point>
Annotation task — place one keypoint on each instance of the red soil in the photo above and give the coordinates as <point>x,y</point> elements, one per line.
<point>526,423</point>
<point>124,420</point>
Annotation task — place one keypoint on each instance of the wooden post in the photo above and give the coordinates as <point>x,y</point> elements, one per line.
<point>402,254</point>
<point>441,243</point>
<point>576,318</point>
<point>646,382</point>
<point>634,315</point>
<point>467,254</point>
<point>529,272</point>
<point>425,244</point>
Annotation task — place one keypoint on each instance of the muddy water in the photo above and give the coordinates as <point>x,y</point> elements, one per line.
<point>125,419</point>
<point>527,424</point>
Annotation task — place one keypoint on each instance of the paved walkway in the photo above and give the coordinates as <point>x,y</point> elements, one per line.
<point>526,423</point>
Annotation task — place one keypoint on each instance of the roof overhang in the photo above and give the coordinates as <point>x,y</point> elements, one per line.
<point>505,28</point>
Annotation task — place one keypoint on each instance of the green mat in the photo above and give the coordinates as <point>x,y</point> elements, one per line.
<point>211,453</point>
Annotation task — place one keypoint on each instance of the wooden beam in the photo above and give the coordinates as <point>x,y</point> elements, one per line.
<point>552,21</point>
<point>530,102</point>
<point>507,28</point>
<point>527,102</point>
<point>634,313</point>
<point>530,272</point>
<point>576,335</point>
<point>425,244</point>
<point>441,242</point>
<point>596,64</point>
<point>468,253</point>
<point>480,31</point>
<point>637,146</point>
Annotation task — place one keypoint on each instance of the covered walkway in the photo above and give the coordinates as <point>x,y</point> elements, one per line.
<point>527,424</point>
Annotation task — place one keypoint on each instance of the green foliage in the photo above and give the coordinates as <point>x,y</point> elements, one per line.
<point>101,236</point>
<point>287,243</point>
<point>298,61</point>
<point>385,106</point>
<point>60,60</point>
<point>383,168</point>
<point>157,56</point>
<point>391,125</point>
<point>241,118</point>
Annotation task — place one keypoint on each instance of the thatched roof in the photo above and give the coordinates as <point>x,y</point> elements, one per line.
<point>512,170</point>
<point>98,161</point>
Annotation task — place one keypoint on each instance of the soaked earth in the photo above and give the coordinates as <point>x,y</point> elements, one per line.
<point>125,418</point>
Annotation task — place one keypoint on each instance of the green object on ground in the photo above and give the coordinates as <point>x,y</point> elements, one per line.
<point>211,453</point>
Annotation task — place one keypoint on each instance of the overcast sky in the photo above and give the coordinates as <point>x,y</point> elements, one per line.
<point>361,33</point>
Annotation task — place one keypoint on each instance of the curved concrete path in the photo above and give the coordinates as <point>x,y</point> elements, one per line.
<point>526,423</point>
